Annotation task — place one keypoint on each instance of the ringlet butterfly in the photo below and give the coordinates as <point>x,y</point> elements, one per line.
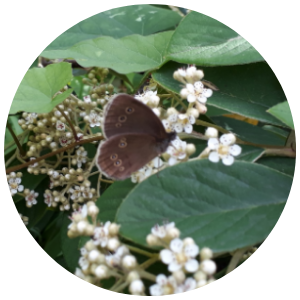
<point>134,136</point>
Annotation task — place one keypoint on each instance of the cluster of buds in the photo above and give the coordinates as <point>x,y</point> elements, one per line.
<point>180,256</point>
<point>104,255</point>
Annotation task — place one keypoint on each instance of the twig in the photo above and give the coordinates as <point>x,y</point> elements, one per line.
<point>24,165</point>
<point>69,122</point>
<point>22,152</point>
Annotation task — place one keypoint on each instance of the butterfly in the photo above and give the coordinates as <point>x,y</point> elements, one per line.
<point>134,136</point>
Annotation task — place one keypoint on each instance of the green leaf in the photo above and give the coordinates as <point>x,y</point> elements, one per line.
<point>115,23</point>
<point>60,98</point>
<point>202,40</point>
<point>282,112</point>
<point>70,247</point>
<point>221,207</point>
<point>111,199</point>
<point>248,132</point>
<point>284,165</point>
<point>134,53</point>
<point>250,153</point>
<point>9,141</point>
<point>38,86</point>
<point>248,90</point>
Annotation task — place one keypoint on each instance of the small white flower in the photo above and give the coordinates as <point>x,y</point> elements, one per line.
<point>149,98</point>
<point>114,260</point>
<point>164,286</point>
<point>83,263</point>
<point>188,285</point>
<point>101,235</point>
<point>177,151</point>
<point>180,255</point>
<point>60,126</point>
<point>102,272</point>
<point>87,99</point>
<point>161,231</point>
<point>224,149</point>
<point>14,185</point>
<point>147,170</point>
<point>30,118</point>
<point>48,198</point>
<point>81,157</point>
<point>95,119</point>
<point>75,192</point>
<point>196,92</point>
<point>64,141</point>
<point>31,198</point>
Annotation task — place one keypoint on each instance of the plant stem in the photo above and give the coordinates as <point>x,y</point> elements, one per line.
<point>238,254</point>
<point>22,152</point>
<point>289,152</point>
<point>146,264</point>
<point>69,122</point>
<point>140,251</point>
<point>81,142</point>
<point>147,275</point>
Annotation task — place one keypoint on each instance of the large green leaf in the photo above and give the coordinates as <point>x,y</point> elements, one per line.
<point>224,208</point>
<point>112,198</point>
<point>116,23</point>
<point>248,132</point>
<point>285,165</point>
<point>38,86</point>
<point>134,53</point>
<point>282,112</point>
<point>248,90</point>
<point>202,40</point>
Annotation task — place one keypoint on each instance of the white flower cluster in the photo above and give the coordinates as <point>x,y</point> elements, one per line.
<point>223,148</point>
<point>104,255</point>
<point>150,168</point>
<point>14,180</point>
<point>180,256</point>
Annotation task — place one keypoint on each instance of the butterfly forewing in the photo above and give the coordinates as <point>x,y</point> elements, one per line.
<point>117,157</point>
<point>125,114</point>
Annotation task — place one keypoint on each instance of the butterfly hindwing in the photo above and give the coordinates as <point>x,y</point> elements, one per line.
<point>122,154</point>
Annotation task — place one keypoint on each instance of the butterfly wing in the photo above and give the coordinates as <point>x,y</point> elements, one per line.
<point>122,154</point>
<point>125,114</point>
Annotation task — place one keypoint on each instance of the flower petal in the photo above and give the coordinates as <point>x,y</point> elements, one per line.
<point>161,279</point>
<point>213,143</point>
<point>155,290</point>
<point>191,265</point>
<point>214,157</point>
<point>191,250</point>
<point>235,150</point>
<point>188,128</point>
<point>166,256</point>
<point>174,266</point>
<point>176,245</point>
<point>191,98</point>
<point>228,160</point>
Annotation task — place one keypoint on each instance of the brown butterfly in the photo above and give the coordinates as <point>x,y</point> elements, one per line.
<point>134,136</point>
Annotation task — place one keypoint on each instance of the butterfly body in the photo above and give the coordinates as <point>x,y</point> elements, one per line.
<point>135,135</point>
